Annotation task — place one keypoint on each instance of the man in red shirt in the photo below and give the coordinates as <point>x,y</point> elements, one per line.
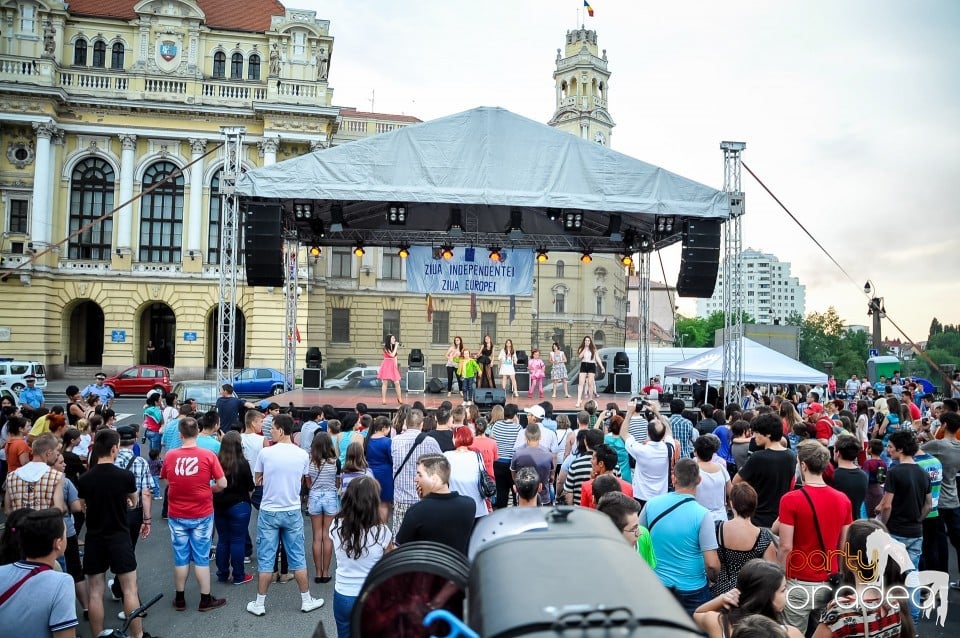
<point>189,471</point>
<point>824,425</point>
<point>604,462</point>
<point>813,523</point>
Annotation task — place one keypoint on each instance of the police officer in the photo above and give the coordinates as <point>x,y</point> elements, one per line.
<point>32,395</point>
<point>102,391</point>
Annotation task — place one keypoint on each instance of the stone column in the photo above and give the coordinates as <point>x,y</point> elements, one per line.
<point>124,218</point>
<point>41,223</point>
<point>268,150</point>
<point>57,139</point>
<point>195,212</point>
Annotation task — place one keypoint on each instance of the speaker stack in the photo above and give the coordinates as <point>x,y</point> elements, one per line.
<point>416,375</point>
<point>313,373</point>
<point>700,259</point>
<point>621,373</point>
<point>263,245</point>
<point>521,373</point>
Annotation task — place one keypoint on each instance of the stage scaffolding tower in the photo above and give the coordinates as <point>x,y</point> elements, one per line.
<point>733,301</point>
<point>291,291</point>
<point>643,329</point>
<point>232,154</point>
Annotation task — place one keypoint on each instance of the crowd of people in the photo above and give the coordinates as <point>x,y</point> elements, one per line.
<point>729,507</point>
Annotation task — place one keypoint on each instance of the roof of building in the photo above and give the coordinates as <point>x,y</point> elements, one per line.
<point>235,15</point>
<point>349,111</point>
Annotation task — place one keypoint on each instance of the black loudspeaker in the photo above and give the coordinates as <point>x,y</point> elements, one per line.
<point>435,386</point>
<point>621,362</point>
<point>314,358</point>
<point>523,380</point>
<point>416,381</point>
<point>312,378</point>
<point>263,244</point>
<point>522,360</point>
<point>622,382</point>
<point>700,258</point>
<point>415,358</point>
<point>489,397</point>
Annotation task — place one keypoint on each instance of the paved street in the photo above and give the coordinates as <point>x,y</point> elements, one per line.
<point>283,616</point>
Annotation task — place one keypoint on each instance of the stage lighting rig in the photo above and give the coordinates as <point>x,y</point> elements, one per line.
<point>336,218</point>
<point>455,225</point>
<point>397,214</point>
<point>496,255</point>
<point>586,257</point>
<point>359,251</point>
<point>572,220</point>
<point>446,252</point>
<point>542,256</point>
<point>404,252</point>
<point>515,230</point>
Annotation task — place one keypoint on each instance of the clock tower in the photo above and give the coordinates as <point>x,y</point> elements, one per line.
<point>582,81</point>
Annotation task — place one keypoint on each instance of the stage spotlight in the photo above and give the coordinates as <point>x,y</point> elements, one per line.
<point>515,230</point>
<point>613,228</point>
<point>455,225</point>
<point>496,255</point>
<point>542,256</point>
<point>446,252</point>
<point>315,251</point>
<point>397,214</point>
<point>586,257</point>
<point>316,227</point>
<point>665,225</point>
<point>336,218</point>
<point>572,221</point>
<point>626,260</point>
<point>359,251</point>
<point>553,214</point>
<point>404,252</point>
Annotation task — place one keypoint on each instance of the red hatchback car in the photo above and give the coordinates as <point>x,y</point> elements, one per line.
<point>139,380</point>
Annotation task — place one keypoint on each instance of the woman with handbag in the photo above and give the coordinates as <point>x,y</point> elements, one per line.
<point>467,469</point>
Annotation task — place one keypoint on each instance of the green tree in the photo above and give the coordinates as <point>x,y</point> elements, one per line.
<point>824,337</point>
<point>697,332</point>
<point>935,328</point>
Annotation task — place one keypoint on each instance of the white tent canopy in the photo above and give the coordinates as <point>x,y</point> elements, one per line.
<point>486,156</point>
<point>760,365</point>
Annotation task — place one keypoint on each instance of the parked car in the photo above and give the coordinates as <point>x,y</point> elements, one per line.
<point>203,391</point>
<point>361,371</point>
<point>258,382</point>
<point>139,380</point>
<point>12,373</point>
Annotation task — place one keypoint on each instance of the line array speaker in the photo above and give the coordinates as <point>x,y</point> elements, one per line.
<point>700,259</point>
<point>263,245</point>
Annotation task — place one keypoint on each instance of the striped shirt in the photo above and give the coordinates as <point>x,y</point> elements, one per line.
<point>684,434</point>
<point>638,428</point>
<point>140,469</point>
<point>578,474</point>
<point>323,478</point>
<point>404,490</point>
<point>505,434</point>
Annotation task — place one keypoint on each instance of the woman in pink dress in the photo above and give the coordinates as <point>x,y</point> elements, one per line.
<point>389,369</point>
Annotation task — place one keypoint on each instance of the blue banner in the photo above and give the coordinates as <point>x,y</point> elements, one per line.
<point>470,271</point>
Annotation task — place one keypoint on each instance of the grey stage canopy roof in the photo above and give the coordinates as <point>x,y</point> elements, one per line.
<point>486,163</point>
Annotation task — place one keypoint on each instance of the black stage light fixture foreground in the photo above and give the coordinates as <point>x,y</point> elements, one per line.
<point>397,214</point>
<point>542,256</point>
<point>455,225</point>
<point>613,228</point>
<point>336,218</point>
<point>515,230</point>
<point>302,211</point>
<point>572,220</point>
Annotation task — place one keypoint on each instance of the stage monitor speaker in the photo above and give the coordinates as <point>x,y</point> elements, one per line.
<point>622,382</point>
<point>415,358</point>
<point>621,362</point>
<point>263,245</point>
<point>435,385</point>
<point>523,380</point>
<point>314,357</point>
<point>489,397</point>
<point>699,259</point>
<point>416,381</point>
<point>312,378</point>
<point>522,360</point>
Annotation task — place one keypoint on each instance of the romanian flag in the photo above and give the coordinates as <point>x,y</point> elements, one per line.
<point>588,7</point>
<point>296,333</point>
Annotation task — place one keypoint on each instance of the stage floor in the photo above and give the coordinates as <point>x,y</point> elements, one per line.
<point>346,400</point>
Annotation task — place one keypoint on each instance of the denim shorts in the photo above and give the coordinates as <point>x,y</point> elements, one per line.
<point>324,502</point>
<point>271,527</point>
<point>191,540</point>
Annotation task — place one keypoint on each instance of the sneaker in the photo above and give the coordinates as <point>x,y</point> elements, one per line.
<point>211,603</point>
<point>255,608</point>
<point>285,578</point>
<point>113,596</point>
<point>246,560</point>
<point>122,615</point>
<point>246,579</point>
<point>955,584</point>
<point>315,603</point>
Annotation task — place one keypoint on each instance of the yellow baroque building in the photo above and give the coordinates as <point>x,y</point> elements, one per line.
<point>100,100</point>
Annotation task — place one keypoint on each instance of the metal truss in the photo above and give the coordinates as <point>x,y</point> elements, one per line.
<point>291,290</point>
<point>733,301</point>
<point>643,338</point>
<point>232,154</point>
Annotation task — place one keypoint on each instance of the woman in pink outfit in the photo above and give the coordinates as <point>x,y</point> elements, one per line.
<point>389,369</point>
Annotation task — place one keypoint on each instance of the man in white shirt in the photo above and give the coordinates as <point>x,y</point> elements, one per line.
<point>852,386</point>
<point>280,468</point>
<point>651,476</point>
<point>252,438</point>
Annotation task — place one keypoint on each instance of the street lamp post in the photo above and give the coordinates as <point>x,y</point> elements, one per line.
<point>876,310</point>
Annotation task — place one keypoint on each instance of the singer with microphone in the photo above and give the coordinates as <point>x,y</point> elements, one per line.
<point>389,369</point>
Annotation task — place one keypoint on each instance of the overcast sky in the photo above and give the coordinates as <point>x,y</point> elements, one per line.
<point>850,111</point>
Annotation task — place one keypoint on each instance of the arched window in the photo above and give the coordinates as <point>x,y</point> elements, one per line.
<point>236,66</point>
<point>598,338</point>
<point>213,221</point>
<point>559,302</point>
<point>80,52</point>
<point>161,215</point>
<point>91,196</point>
<point>253,67</point>
<point>100,54</point>
<point>559,270</point>
<point>220,65</point>
<point>116,56</point>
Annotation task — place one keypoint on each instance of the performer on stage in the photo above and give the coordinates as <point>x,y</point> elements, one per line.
<point>485,359</point>
<point>389,369</point>
<point>469,371</point>
<point>558,371</point>
<point>454,354</point>
<point>508,358</point>
<point>537,369</point>
<point>590,365</point>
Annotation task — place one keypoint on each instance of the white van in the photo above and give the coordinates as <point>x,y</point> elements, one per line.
<point>12,373</point>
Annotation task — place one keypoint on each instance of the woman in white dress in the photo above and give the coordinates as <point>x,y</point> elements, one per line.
<point>508,359</point>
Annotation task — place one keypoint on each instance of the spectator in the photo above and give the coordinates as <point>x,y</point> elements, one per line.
<point>548,437</point>
<point>876,470</point>
<point>377,449</point>
<point>848,478</point>
<point>654,461</point>
<point>625,514</point>
<point>252,439</point>
<point>443,435</point>
<point>486,446</point>
<point>684,540</point>
<point>707,423</point>
<point>739,540</point>
<point>404,446</point>
<point>615,441</point>
<point>41,601</point>
<point>228,407</point>
<point>504,432</point>
<point>527,481</point>
<point>604,460</point>
<point>682,428</point>
<point>37,485</point>
<point>742,439</point>
<point>537,457</point>
<point>714,485</point>
<point>465,469</point>
<point>934,548</point>
<point>581,466</point>
<point>280,468</point>
<point>947,450</point>
<point>232,509</point>
<point>770,470</point>
<point>441,516</point>
<point>813,522</point>
<point>907,495</point>
<point>141,509</point>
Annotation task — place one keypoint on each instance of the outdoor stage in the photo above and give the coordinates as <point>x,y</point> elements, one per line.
<point>346,400</point>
